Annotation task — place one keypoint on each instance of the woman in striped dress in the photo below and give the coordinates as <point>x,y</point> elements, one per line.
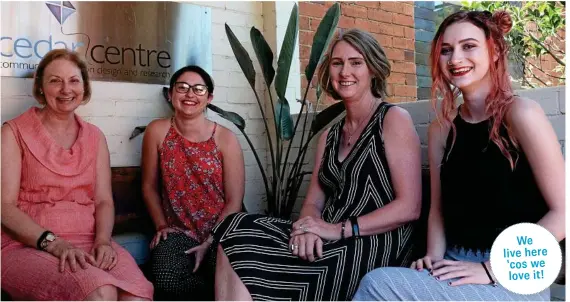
<point>364,192</point>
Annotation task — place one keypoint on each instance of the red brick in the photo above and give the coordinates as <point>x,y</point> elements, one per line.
<point>304,63</point>
<point>397,30</point>
<point>410,44</point>
<point>354,11</point>
<point>397,78</point>
<point>403,43</point>
<point>315,23</point>
<point>304,51</point>
<point>303,82</point>
<point>311,9</point>
<point>403,20</point>
<point>306,37</point>
<point>371,4</point>
<point>394,54</point>
<point>411,79</point>
<point>404,67</point>
<point>409,33</point>
<point>384,40</point>
<point>346,22</point>
<point>379,15</point>
<point>364,24</point>
<point>408,9</point>
<point>405,90</point>
<point>382,28</point>
<point>304,23</point>
<point>392,6</point>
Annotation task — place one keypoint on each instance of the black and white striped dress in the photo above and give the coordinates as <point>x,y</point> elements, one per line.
<point>258,246</point>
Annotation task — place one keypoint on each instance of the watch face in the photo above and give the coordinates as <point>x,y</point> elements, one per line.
<point>50,237</point>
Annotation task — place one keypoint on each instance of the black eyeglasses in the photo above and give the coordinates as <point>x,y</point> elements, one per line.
<point>183,87</point>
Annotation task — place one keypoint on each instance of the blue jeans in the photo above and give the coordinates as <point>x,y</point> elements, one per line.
<point>406,284</point>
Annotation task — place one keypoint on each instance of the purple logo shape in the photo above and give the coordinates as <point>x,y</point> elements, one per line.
<point>61,10</point>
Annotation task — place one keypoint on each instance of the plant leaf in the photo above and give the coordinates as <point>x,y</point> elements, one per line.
<point>284,120</point>
<point>264,55</point>
<point>233,117</point>
<point>286,54</point>
<point>242,57</point>
<point>326,116</point>
<point>322,38</point>
<point>137,131</point>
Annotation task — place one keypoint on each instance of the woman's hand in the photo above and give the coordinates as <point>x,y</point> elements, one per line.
<point>161,233</point>
<point>425,262</point>
<point>105,256</point>
<point>66,252</point>
<point>306,246</point>
<point>317,226</point>
<point>468,272</point>
<point>200,251</point>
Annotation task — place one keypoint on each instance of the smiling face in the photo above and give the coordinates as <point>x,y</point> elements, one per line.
<point>185,99</point>
<point>464,57</point>
<point>62,86</point>
<point>349,75</point>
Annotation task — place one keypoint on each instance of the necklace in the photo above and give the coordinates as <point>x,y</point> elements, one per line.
<point>360,124</point>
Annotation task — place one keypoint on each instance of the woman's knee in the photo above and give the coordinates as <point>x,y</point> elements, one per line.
<point>103,293</point>
<point>378,285</point>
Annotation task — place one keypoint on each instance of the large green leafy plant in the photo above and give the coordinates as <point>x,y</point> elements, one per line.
<point>535,34</point>
<point>285,178</point>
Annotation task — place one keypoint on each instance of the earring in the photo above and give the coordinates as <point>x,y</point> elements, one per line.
<point>41,92</point>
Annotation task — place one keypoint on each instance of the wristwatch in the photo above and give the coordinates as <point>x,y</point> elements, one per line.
<point>45,239</point>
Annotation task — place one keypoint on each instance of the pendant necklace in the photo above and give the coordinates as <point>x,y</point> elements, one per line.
<point>360,124</point>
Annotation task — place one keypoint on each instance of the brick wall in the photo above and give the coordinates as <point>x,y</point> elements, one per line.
<point>392,23</point>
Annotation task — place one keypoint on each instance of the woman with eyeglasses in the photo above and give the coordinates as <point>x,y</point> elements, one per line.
<point>193,176</point>
<point>494,160</point>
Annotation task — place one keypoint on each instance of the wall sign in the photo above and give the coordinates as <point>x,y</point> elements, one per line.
<point>142,42</point>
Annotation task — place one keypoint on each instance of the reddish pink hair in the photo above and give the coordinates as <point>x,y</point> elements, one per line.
<point>500,98</point>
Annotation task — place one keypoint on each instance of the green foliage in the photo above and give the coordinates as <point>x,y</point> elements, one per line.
<point>535,33</point>
<point>283,184</point>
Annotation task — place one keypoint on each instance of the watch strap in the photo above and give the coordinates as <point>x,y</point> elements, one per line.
<point>41,239</point>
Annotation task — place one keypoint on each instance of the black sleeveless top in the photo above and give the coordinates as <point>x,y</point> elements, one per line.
<point>481,195</point>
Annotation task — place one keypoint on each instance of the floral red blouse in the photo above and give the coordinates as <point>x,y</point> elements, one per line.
<point>192,184</point>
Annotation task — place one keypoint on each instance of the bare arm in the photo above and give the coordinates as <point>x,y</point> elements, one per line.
<point>403,153</point>
<point>315,199</point>
<point>233,172</point>
<point>540,145</point>
<point>17,223</point>
<point>104,208</point>
<point>150,172</point>
<point>436,244</point>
